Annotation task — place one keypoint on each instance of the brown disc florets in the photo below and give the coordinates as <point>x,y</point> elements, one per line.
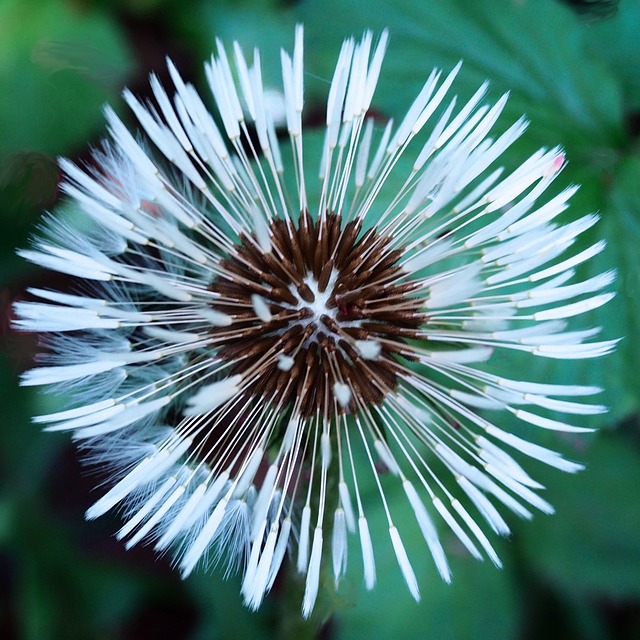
<point>320,320</point>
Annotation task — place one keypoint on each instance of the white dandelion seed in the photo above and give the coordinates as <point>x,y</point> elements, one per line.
<point>237,343</point>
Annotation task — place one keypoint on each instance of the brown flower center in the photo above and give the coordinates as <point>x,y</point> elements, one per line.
<point>322,309</point>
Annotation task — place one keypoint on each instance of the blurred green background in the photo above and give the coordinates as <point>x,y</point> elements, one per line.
<point>574,68</point>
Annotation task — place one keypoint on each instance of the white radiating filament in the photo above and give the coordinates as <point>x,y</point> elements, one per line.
<point>313,574</point>
<point>144,472</point>
<point>203,539</point>
<point>181,518</point>
<point>261,578</point>
<point>303,543</point>
<point>403,562</point>
<point>345,501</point>
<point>339,544</point>
<point>386,456</point>
<point>368,561</point>
<point>428,531</point>
<point>213,395</point>
<point>279,552</point>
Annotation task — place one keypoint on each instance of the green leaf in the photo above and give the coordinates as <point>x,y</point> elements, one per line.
<point>591,545</point>
<point>534,49</point>
<point>446,612</point>
<point>616,41</point>
<point>621,227</point>
<point>593,10</point>
<point>57,67</point>
<point>242,21</point>
<point>223,615</point>
<point>28,184</point>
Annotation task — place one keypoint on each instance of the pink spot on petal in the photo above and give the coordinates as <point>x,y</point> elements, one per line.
<point>558,162</point>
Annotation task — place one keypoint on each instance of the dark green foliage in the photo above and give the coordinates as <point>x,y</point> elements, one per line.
<point>574,68</point>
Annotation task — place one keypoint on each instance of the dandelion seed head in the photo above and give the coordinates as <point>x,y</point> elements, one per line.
<point>247,362</point>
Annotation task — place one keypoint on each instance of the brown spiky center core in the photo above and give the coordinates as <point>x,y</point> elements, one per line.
<point>339,313</point>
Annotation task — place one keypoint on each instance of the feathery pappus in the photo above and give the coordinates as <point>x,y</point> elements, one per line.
<point>243,358</point>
